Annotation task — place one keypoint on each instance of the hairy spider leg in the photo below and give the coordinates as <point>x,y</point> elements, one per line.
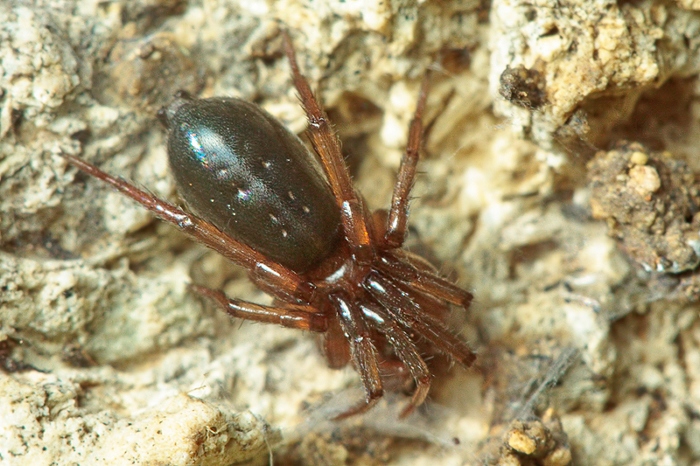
<point>395,233</point>
<point>424,280</point>
<point>406,351</point>
<point>336,347</point>
<point>290,316</point>
<point>270,276</point>
<point>355,225</point>
<point>364,354</point>
<point>325,142</point>
<point>397,301</point>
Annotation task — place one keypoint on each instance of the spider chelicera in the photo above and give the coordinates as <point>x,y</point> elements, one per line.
<point>260,198</point>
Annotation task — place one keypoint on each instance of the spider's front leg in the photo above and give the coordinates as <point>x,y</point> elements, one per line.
<point>396,299</point>
<point>364,354</point>
<point>406,352</point>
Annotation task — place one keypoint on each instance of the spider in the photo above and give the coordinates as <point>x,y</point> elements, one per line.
<point>257,195</point>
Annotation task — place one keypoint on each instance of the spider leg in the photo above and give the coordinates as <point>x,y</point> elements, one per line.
<point>364,355</point>
<point>275,278</point>
<point>425,281</point>
<point>325,143</point>
<point>397,301</point>
<point>299,317</point>
<point>405,350</point>
<point>336,346</point>
<point>398,213</point>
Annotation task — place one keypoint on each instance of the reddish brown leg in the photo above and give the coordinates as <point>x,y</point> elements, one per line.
<point>398,214</point>
<point>396,300</point>
<point>274,277</point>
<point>364,355</point>
<point>299,317</point>
<point>336,346</point>
<point>405,350</point>
<point>327,146</point>
<point>425,281</point>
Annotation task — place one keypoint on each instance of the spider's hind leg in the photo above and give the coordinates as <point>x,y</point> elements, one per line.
<point>398,214</point>
<point>326,144</point>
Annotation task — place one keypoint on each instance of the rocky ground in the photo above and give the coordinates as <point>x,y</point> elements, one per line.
<point>558,185</point>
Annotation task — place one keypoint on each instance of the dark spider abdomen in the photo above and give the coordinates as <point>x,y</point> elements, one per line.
<point>281,204</point>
